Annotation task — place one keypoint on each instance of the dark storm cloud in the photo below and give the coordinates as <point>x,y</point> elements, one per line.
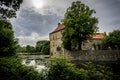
<point>29,21</point>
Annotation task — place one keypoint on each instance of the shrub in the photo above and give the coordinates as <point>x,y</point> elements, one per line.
<point>90,71</point>
<point>61,69</point>
<point>12,69</point>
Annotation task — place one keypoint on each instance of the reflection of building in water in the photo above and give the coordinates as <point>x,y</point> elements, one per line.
<point>56,41</point>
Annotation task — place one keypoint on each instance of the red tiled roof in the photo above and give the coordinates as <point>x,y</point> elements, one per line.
<point>99,35</point>
<point>95,36</point>
<point>59,27</point>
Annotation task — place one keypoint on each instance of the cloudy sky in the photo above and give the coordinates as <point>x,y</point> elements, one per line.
<point>37,18</point>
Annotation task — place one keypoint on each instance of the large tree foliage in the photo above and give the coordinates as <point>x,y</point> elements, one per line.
<point>112,40</point>
<point>25,49</point>
<point>8,8</point>
<point>80,24</point>
<point>7,41</point>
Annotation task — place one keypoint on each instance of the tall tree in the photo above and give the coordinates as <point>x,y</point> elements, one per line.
<point>80,24</point>
<point>7,42</point>
<point>112,40</point>
<point>8,8</point>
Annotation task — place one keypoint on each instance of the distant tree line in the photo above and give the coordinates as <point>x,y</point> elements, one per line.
<point>41,47</point>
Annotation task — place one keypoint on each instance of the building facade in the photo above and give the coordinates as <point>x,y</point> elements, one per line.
<point>56,41</point>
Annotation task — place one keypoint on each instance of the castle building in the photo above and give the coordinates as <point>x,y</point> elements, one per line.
<point>56,40</point>
<point>56,46</point>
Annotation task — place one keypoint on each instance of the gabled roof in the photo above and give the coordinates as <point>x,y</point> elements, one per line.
<point>99,35</point>
<point>95,36</point>
<point>59,27</point>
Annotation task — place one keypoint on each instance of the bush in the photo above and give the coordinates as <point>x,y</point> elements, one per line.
<point>12,69</point>
<point>90,71</point>
<point>61,69</point>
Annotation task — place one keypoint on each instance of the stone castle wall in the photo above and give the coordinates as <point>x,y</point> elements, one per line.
<point>97,56</point>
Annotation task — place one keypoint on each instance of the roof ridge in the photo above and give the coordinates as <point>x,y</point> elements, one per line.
<point>59,27</point>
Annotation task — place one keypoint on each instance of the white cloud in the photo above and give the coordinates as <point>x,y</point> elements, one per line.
<point>32,39</point>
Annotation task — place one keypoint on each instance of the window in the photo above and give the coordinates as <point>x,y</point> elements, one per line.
<point>58,48</point>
